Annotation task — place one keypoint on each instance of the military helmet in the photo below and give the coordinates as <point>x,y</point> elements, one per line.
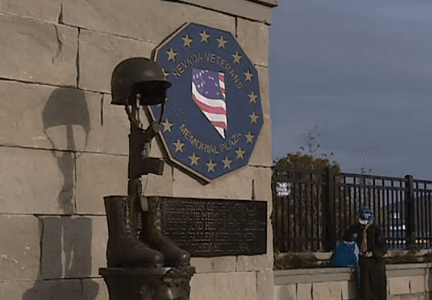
<point>138,75</point>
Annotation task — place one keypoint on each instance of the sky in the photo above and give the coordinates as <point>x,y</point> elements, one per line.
<point>361,71</point>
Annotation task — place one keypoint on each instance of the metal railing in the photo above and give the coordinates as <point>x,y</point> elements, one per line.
<point>312,208</point>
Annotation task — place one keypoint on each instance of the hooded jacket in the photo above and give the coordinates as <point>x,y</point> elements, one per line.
<point>376,242</point>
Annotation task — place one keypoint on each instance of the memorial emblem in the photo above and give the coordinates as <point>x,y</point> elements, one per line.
<point>213,115</point>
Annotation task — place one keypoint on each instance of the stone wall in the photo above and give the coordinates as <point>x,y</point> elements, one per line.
<point>404,281</point>
<point>63,147</point>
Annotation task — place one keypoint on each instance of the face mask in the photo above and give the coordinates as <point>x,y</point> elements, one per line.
<point>363,222</point>
<point>365,219</point>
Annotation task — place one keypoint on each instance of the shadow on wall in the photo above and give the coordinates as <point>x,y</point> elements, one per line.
<point>66,240</point>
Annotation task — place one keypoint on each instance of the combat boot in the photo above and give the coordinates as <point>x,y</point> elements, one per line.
<point>152,234</point>
<point>124,248</point>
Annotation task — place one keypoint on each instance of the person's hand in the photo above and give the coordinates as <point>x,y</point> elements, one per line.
<point>367,254</point>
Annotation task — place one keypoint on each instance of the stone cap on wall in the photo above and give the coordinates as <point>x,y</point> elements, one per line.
<point>271,3</point>
<point>282,277</point>
<point>325,256</point>
<point>257,10</point>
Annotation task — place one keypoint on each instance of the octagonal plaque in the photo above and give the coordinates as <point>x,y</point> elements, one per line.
<point>213,115</point>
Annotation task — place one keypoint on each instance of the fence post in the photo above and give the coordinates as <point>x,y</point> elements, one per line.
<point>409,211</point>
<point>329,210</point>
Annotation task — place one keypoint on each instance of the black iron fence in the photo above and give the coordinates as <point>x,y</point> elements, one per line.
<point>312,208</point>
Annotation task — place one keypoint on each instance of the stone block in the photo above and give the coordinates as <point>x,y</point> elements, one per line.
<point>159,185</point>
<point>52,118</point>
<point>261,155</point>
<point>429,281</point>
<point>214,264</point>
<point>73,247</point>
<point>254,39</point>
<point>285,292</point>
<point>46,289</point>
<point>326,290</point>
<point>420,296</point>
<point>239,285</point>
<point>262,183</point>
<point>255,11</point>
<point>94,289</point>
<point>253,262</point>
<point>99,243</point>
<point>99,175</point>
<point>263,73</point>
<point>111,133</point>
<point>36,181</point>
<point>203,286</point>
<point>19,249</point>
<point>137,19</point>
<point>37,51</point>
<point>398,285</point>
<point>270,242</point>
<point>265,284</point>
<point>157,148</point>
<point>323,255</point>
<point>100,53</point>
<point>345,289</point>
<point>353,292</point>
<point>236,185</point>
<point>14,290</point>
<point>304,291</point>
<point>48,10</point>
<point>417,284</point>
<point>214,286</point>
<point>270,3</point>
<point>66,247</point>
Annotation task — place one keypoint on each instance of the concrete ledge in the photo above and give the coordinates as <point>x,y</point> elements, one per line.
<point>407,270</point>
<point>327,255</point>
<point>271,3</point>
<point>254,10</point>
<point>340,274</point>
<point>404,281</point>
<point>312,275</point>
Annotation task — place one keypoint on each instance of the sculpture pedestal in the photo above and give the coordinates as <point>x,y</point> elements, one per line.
<point>148,283</point>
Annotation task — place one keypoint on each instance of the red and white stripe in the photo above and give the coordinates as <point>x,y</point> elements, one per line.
<point>213,109</point>
<point>222,83</point>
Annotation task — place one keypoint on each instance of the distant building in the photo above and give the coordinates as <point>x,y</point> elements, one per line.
<point>394,223</point>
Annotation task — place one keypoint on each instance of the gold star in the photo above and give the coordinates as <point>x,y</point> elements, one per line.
<point>187,41</point>
<point>194,159</point>
<point>221,42</point>
<point>165,73</point>
<point>167,125</point>
<point>254,118</point>
<point>227,163</point>
<point>248,75</point>
<point>252,97</point>
<point>240,153</point>
<point>171,54</point>
<point>211,166</point>
<point>237,57</point>
<point>179,146</point>
<point>249,137</point>
<point>204,36</point>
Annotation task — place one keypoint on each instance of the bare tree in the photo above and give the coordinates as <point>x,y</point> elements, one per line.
<point>309,206</point>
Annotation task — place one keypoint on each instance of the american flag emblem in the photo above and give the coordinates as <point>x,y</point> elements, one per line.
<point>208,92</point>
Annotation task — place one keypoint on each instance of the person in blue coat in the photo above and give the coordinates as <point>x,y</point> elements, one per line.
<point>372,245</point>
<point>346,254</point>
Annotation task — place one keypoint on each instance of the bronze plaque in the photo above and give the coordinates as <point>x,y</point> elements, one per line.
<point>214,227</point>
